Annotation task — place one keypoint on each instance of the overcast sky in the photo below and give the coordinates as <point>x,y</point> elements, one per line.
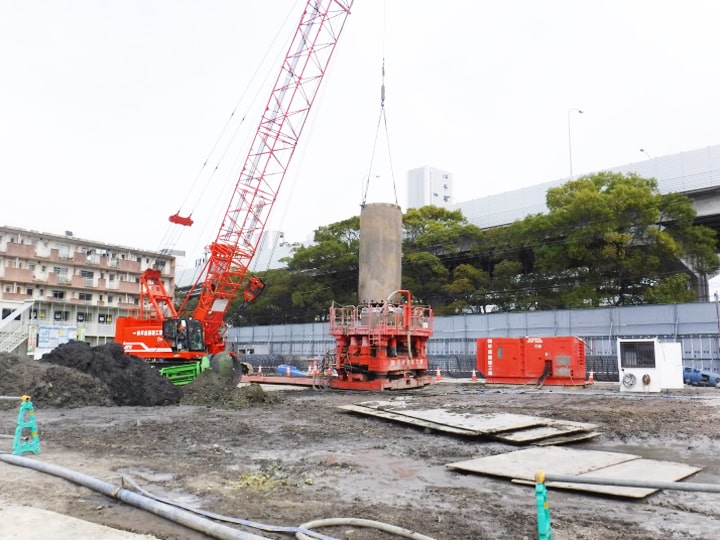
<point>108,109</point>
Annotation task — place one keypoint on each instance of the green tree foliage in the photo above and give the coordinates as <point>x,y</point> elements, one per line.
<point>425,275</point>
<point>606,239</point>
<point>436,241</point>
<point>330,268</point>
<point>315,276</point>
<point>469,290</point>
<point>272,306</point>
<point>613,239</point>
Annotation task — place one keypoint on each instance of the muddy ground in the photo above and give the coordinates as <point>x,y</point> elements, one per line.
<point>289,457</point>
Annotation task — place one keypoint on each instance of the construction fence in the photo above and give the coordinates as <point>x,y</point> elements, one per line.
<point>452,348</point>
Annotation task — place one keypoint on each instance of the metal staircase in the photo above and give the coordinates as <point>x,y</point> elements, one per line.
<point>12,332</point>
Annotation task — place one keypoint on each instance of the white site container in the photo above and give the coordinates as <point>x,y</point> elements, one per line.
<point>647,365</point>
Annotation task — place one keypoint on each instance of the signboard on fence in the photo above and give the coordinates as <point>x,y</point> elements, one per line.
<point>43,339</point>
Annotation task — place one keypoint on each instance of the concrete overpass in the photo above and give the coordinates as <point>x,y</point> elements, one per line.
<point>695,173</point>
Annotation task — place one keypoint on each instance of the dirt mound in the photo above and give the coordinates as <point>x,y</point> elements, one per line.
<point>77,375</point>
<point>131,381</point>
<point>213,390</point>
<point>49,385</point>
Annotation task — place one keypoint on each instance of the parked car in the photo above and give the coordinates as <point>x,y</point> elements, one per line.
<point>700,377</point>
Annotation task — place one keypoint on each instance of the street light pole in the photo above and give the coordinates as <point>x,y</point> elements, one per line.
<point>646,153</point>
<point>570,139</point>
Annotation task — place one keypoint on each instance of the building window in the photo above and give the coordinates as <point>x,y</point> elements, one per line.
<point>62,274</point>
<point>101,318</point>
<point>110,299</point>
<point>29,291</point>
<point>85,297</point>
<point>88,277</point>
<point>58,294</point>
<point>61,315</point>
<point>82,317</point>
<point>105,319</point>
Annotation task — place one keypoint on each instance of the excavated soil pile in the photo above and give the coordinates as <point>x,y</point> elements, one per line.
<point>215,391</point>
<point>49,385</point>
<point>131,380</point>
<point>78,375</point>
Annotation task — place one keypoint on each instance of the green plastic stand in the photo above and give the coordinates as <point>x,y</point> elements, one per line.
<point>26,433</point>
<point>543,508</point>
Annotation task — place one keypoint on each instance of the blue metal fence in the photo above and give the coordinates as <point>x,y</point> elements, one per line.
<point>452,348</point>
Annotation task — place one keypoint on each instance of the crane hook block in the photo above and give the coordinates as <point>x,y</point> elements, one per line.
<point>179,220</point>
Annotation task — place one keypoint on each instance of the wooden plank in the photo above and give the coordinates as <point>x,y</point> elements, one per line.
<point>638,470</point>
<point>406,419</point>
<point>523,464</point>
<point>569,423</point>
<point>536,434</point>
<point>479,424</point>
<point>584,436</point>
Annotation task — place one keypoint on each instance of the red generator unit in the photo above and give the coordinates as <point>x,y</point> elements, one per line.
<point>557,361</point>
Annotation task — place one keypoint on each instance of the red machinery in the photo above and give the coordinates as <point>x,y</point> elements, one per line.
<point>536,360</point>
<point>153,334</point>
<point>381,345</point>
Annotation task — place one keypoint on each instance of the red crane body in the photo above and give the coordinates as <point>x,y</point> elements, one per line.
<point>152,335</point>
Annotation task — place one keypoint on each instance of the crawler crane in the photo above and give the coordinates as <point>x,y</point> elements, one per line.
<point>183,342</point>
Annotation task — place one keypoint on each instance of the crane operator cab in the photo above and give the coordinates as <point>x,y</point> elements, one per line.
<point>183,334</point>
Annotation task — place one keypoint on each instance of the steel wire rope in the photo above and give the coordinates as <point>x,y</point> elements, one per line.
<point>382,120</point>
<point>382,117</point>
<point>172,235</point>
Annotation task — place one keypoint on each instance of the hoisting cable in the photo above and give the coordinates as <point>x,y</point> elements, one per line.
<point>381,119</point>
<point>172,234</point>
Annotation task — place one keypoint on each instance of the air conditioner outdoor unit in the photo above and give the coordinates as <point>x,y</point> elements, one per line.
<point>646,365</point>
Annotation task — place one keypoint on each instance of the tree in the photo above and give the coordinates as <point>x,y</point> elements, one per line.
<point>469,290</point>
<point>436,241</point>
<point>613,239</point>
<point>272,306</point>
<point>607,239</point>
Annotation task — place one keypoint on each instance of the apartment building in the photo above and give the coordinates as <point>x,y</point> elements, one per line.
<point>54,288</point>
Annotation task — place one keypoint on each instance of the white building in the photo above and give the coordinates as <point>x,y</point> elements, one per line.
<point>428,185</point>
<point>689,172</point>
